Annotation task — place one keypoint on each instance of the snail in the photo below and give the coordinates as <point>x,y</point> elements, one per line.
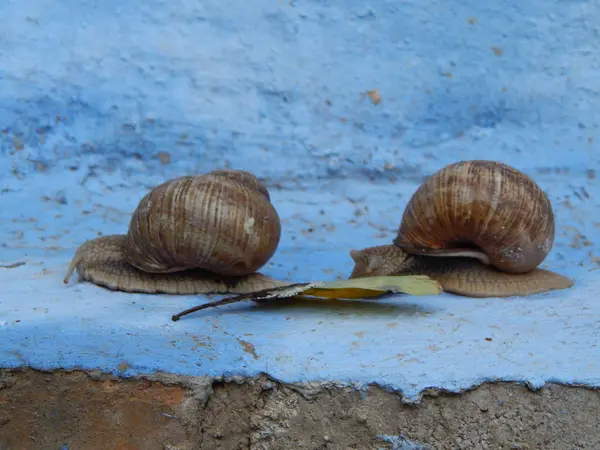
<point>479,228</point>
<point>207,233</point>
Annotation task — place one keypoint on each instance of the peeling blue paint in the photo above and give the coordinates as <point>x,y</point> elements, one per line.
<point>402,443</point>
<point>90,98</point>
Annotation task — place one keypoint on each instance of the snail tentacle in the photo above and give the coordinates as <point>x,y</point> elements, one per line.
<point>102,261</point>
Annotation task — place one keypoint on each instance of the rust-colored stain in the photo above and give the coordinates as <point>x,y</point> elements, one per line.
<point>171,397</point>
<point>203,341</point>
<point>497,51</point>
<point>374,96</point>
<point>18,144</point>
<point>122,367</point>
<point>199,344</point>
<point>360,334</point>
<point>89,413</point>
<point>164,158</point>
<point>122,444</point>
<point>248,347</point>
<point>392,325</point>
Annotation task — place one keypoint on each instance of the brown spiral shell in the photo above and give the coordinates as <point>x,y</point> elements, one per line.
<point>480,206</point>
<point>222,221</point>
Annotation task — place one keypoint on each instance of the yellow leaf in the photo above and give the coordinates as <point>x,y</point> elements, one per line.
<point>356,288</point>
<point>406,284</point>
<point>348,292</point>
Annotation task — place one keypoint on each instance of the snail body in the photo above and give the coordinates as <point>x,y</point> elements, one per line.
<point>208,233</point>
<point>480,228</point>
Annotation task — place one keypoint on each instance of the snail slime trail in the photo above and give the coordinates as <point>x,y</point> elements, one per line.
<point>479,228</point>
<point>187,236</point>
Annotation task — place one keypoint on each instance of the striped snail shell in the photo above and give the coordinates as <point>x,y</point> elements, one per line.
<point>483,209</point>
<point>481,228</point>
<point>207,233</point>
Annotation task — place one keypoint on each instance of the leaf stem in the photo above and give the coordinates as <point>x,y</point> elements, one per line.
<point>224,301</point>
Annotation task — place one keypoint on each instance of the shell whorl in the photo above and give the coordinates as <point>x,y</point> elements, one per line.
<point>222,221</point>
<point>243,177</point>
<point>484,209</point>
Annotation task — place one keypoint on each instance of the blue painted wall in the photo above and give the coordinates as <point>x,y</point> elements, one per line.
<point>102,99</point>
<point>280,87</point>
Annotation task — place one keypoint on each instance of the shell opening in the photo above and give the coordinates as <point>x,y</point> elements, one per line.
<point>464,249</point>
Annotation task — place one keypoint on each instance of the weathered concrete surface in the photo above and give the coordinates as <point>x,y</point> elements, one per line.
<point>116,83</point>
<point>76,410</point>
<point>102,100</point>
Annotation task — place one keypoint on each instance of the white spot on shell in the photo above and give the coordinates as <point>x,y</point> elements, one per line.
<point>515,254</point>
<point>547,244</point>
<point>249,225</point>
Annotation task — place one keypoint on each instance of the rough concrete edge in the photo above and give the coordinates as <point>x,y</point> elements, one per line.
<point>202,386</point>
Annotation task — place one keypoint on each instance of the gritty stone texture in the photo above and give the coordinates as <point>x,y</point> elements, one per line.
<point>73,410</point>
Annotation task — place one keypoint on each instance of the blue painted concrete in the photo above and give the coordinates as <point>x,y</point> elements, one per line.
<point>114,83</point>
<point>404,343</point>
<point>93,91</point>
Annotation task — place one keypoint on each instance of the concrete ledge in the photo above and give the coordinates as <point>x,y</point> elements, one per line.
<point>93,411</point>
<point>381,359</point>
<point>405,344</point>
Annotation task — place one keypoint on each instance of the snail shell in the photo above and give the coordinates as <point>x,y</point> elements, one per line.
<point>481,228</point>
<point>482,209</point>
<point>209,233</point>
